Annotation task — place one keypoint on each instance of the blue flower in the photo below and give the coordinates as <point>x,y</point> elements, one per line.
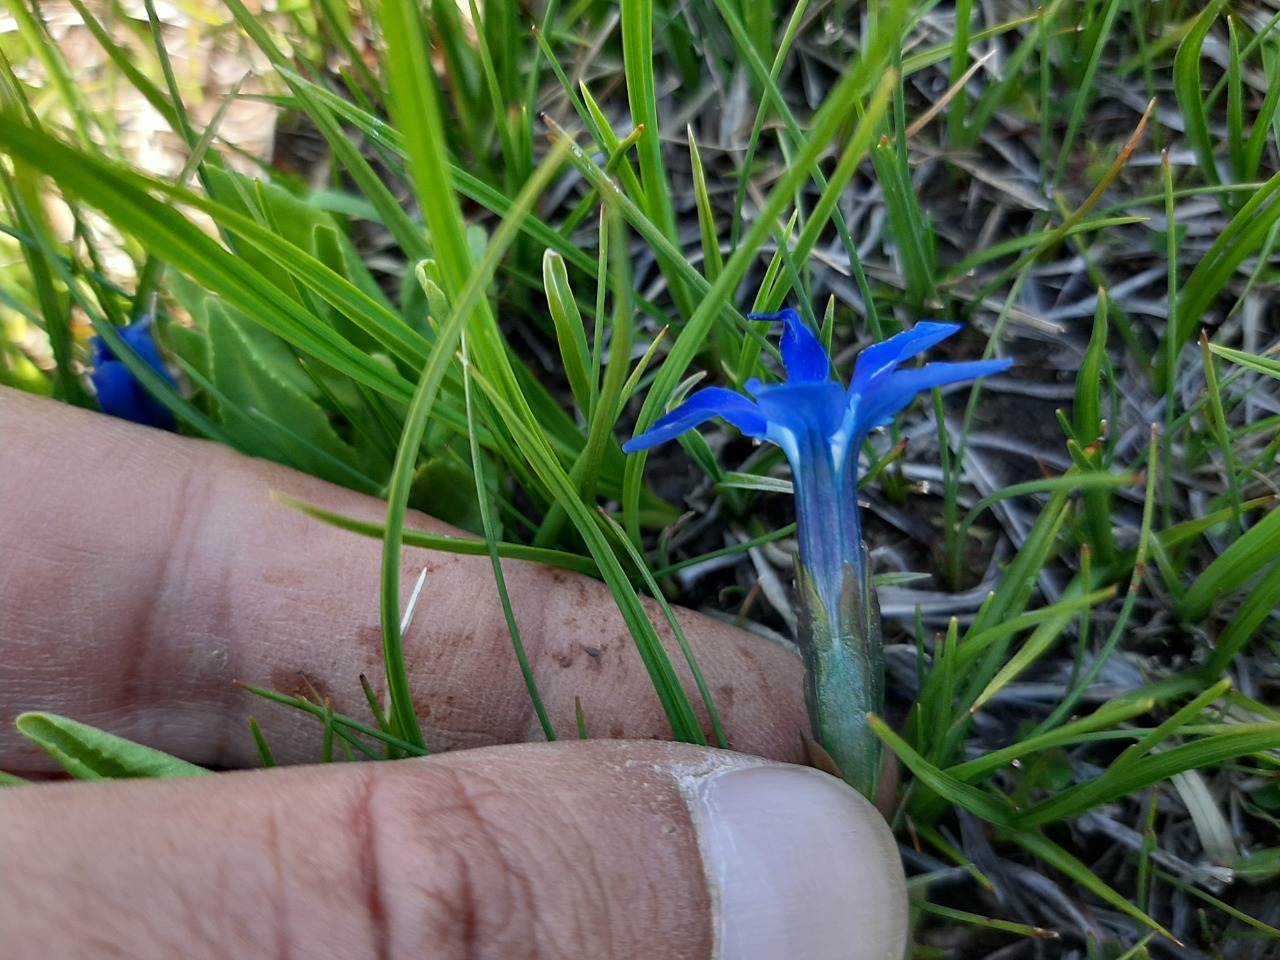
<point>119,392</point>
<point>821,426</point>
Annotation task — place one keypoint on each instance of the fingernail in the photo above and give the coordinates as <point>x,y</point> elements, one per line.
<point>800,866</point>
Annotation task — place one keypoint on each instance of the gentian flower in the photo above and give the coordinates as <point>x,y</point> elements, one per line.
<point>119,392</point>
<point>821,426</point>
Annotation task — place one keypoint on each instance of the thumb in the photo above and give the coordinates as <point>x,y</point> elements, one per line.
<point>602,849</point>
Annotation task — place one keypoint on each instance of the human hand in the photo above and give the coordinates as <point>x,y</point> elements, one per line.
<point>143,573</point>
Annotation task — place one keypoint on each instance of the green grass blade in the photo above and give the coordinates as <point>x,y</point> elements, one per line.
<point>447,544</point>
<point>1243,236</point>
<point>666,684</point>
<point>651,584</point>
<point>712,260</point>
<point>910,231</point>
<point>1268,111</point>
<point>991,808</point>
<point>1244,740</point>
<point>42,46</point>
<point>571,334</point>
<point>340,724</point>
<point>124,61</point>
<point>1258,364</point>
<point>1235,567</point>
<point>1049,852</point>
<point>260,741</point>
<point>637,52</point>
<point>125,198</point>
<point>463,309</point>
<point>40,259</point>
<point>1258,607</point>
<point>491,542</point>
<point>1095,37</point>
<point>1188,87</point>
<point>1040,641</point>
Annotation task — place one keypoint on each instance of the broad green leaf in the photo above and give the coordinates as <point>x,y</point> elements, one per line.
<point>126,198</point>
<point>269,394</point>
<point>88,753</point>
<point>445,488</point>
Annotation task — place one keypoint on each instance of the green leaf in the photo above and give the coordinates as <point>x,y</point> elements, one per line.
<point>264,750</point>
<point>712,260</point>
<point>445,488</point>
<point>912,235</point>
<point>571,335</point>
<point>1042,847</point>
<point>489,531</point>
<point>88,753</point>
<point>1243,740</point>
<point>1256,548</point>
<point>1243,237</point>
<point>1247,360</point>
<point>1054,622</point>
<point>448,544</point>
<point>1096,32</point>
<point>637,51</point>
<point>1189,89</point>
<point>126,198</point>
<point>1260,605</point>
<point>269,409</point>
<point>992,808</point>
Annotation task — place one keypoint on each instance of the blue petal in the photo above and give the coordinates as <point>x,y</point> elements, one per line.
<point>800,409</point>
<point>139,336</point>
<point>120,395</point>
<point>894,393</point>
<point>883,357</point>
<point>802,353</point>
<point>698,409</point>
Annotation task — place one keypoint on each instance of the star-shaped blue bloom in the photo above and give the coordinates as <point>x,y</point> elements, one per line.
<point>119,392</point>
<point>821,426</point>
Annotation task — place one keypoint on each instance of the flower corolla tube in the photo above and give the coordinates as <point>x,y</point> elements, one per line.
<point>821,427</point>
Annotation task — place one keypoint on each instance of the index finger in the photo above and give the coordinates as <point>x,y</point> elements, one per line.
<point>144,574</point>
